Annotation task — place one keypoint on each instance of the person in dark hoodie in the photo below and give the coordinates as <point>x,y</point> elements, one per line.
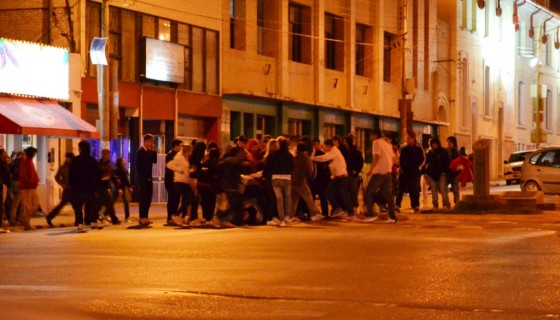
<point>437,169</point>
<point>411,161</point>
<point>279,167</point>
<point>303,169</point>
<point>82,177</point>
<point>207,183</point>
<point>354,165</point>
<point>230,170</point>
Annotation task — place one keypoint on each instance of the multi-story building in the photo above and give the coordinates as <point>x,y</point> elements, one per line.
<point>153,95</point>
<point>320,68</point>
<point>499,51</point>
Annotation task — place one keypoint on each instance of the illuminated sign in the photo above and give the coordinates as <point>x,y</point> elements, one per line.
<point>163,61</point>
<point>33,70</point>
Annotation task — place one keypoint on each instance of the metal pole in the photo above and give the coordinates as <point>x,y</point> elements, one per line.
<point>103,82</point>
<point>404,106</point>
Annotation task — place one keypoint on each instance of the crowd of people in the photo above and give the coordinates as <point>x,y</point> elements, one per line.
<point>275,181</point>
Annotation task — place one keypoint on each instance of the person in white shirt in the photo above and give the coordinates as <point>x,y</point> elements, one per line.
<point>339,184</point>
<point>182,182</point>
<point>380,176</point>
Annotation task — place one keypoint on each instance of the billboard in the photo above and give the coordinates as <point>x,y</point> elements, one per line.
<point>33,70</point>
<point>162,61</point>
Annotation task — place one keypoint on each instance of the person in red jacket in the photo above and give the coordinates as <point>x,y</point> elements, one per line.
<point>28,181</point>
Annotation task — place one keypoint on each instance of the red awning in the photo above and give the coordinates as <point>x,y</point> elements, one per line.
<point>47,118</point>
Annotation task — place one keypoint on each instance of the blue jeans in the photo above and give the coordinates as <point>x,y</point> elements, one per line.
<point>439,186</point>
<point>283,192</point>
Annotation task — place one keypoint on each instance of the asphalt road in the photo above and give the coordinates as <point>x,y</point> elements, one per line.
<point>424,267</point>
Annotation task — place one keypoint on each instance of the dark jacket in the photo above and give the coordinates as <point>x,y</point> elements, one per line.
<point>354,161</point>
<point>410,160</point>
<point>121,178</point>
<point>437,163</point>
<point>230,171</point>
<point>144,161</point>
<point>453,154</point>
<point>303,169</point>
<point>61,176</point>
<point>209,172</point>
<point>279,162</point>
<point>321,174</point>
<point>169,175</point>
<point>5,177</point>
<point>83,174</point>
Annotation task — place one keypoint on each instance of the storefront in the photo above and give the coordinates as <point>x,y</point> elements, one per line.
<point>33,79</point>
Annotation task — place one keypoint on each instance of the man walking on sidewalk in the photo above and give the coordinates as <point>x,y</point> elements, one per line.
<point>61,178</point>
<point>146,156</point>
<point>380,177</point>
<point>82,176</point>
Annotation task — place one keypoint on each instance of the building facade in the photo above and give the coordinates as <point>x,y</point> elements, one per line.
<point>497,53</point>
<point>320,68</point>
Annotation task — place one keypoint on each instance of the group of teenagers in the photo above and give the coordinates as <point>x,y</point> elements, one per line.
<point>90,186</point>
<point>274,181</point>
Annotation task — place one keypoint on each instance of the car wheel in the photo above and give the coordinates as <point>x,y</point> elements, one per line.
<point>508,182</point>
<point>532,186</point>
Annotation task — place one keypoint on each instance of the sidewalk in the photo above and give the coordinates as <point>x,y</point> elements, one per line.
<point>158,214</point>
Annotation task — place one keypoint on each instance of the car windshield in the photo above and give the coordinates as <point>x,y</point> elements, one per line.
<point>514,157</point>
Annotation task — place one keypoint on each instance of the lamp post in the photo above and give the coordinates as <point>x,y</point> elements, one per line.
<point>405,108</point>
<point>538,105</point>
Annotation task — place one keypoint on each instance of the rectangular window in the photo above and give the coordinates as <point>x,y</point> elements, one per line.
<point>363,50</point>
<point>387,51</point>
<point>520,102</point>
<point>260,26</point>
<point>487,19</point>
<point>334,42</point>
<point>464,14</point>
<point>198,79</point>
<point>234,125</point>
<point>474,7</point>
<point>548,111</point>
<point>487,93</point>
<point>266,35</point>
<point>184,38</point>
<point>237,25</point>
<point>93,29</point>
<point>548,52</point>
<point>164,29</point>
<point>300,33</point>
<point>128,49</point>
<point>297,127</point>
<point>149,26</point>
<point>465,105</point>
<point>212,63</point>
<point>115,33</point>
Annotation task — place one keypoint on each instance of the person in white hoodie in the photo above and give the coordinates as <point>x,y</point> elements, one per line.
<point>182,182</point>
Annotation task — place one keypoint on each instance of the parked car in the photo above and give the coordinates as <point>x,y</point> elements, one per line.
<point>541,171</point>
<point>512,168</point>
